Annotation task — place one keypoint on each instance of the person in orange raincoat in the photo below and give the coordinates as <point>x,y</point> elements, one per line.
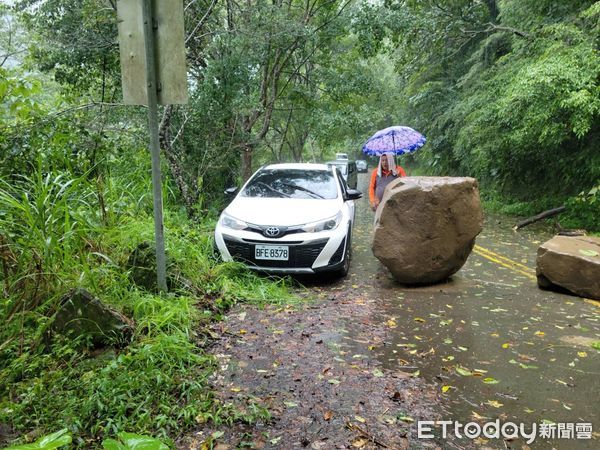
<point>386,172</point>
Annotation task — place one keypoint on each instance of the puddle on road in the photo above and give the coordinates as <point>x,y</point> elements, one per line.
<point>494,344</point>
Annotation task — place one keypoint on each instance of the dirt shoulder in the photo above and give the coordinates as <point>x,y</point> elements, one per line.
<point>311,367</point>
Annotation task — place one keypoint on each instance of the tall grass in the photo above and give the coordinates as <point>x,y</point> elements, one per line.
<point>59,231</point>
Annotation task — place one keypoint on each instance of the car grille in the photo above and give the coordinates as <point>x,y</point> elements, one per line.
<point>301,256</point>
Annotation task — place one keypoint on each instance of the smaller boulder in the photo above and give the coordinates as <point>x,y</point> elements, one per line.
<point>81,314</point>
<point>571,263</point>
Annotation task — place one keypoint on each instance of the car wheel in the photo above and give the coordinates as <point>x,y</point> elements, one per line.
<point>343,271</point>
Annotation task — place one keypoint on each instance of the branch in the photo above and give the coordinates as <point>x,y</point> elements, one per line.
<point>202,21</point>
<point>493,27</point>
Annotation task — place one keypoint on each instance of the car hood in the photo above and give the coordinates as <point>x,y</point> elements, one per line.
<point>282,211</point>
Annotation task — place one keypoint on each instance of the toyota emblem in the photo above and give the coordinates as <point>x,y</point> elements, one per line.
<point>272,232</point>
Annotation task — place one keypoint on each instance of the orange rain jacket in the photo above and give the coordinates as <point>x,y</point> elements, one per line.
<point>385,173</point>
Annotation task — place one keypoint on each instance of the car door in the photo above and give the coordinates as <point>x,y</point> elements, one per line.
<point>344,188</point>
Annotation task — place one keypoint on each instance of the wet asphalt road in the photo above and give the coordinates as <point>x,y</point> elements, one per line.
<point>492,343</point>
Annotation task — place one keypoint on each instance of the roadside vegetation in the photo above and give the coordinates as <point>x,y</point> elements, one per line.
<point>505,91</point>
<point>54,239</point>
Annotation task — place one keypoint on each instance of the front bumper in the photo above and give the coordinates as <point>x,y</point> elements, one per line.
<point>308,252</point>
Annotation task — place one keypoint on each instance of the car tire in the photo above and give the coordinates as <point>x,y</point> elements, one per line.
<point>343,271</point>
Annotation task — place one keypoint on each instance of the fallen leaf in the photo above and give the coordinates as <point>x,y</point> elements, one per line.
<point>476,416</point>
<point>290,404</point>
<point>359,442</point>
<point>588,252</point>
<point>494,403</point>
<point>462,371</point>
<point>406,419</point>
<point>539,333</point>
<point>527,366</point>
<point>582,354</point>
<point>505,345</point>
<point>360,419</point>
<point>490,380</point>
<point>445,388</point>
<point>378,373</point>
<point>328,415</point>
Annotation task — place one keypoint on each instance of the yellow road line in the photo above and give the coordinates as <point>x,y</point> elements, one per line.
<point>516,267</point>
<point>512,265</point>
<point>504,258</point>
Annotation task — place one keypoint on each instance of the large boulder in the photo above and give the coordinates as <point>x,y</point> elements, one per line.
<point>81,314</point>
<point>571,263</point>
<point>425,227</point>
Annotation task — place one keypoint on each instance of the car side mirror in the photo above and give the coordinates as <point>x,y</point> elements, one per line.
<point>353,194</point>
<point>231,191</point>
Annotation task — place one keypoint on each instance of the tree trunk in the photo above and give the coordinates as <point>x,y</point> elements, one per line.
<point>246,162</point>
<point>493,9</point>
<point>187,189</point>
<point>540,216</point>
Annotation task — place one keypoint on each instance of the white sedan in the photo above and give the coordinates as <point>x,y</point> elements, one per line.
<point>290,218</point>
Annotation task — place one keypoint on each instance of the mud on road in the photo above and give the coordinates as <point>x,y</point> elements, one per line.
<point>297,363</point>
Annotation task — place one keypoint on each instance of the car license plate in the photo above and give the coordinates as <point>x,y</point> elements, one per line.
<point>272,252</point>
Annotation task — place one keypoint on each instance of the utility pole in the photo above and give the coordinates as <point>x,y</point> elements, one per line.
<point>152,99</point>
<point>153,72</point>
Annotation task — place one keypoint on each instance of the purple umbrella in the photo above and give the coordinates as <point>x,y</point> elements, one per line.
<point>397,140</point>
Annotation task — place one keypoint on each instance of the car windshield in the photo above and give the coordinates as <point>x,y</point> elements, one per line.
<point>342,166</point>
<point>292,183</point>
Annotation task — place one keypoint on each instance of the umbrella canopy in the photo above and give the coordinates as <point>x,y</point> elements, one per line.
<point>397,140</point>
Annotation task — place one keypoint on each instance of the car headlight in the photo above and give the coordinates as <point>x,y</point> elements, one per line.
<point>328,224</point>
<point>231,222</point>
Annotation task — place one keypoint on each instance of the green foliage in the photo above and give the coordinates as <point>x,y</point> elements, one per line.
<point>127,441</point>
<point>506,91</point>
<point>50,442</point>
<point>130,441</point>
<point>54,238</point>
<point>583,210</point>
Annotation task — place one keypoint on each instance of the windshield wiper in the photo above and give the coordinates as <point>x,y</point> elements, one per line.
<point>300,188</point>
<point>283,194</point>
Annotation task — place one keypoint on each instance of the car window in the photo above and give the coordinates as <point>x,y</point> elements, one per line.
<point>292,183</point>
<point>342,166</point>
